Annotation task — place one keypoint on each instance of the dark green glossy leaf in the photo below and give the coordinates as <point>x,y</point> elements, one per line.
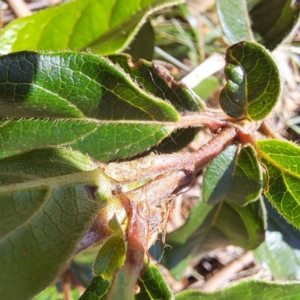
<point>234,19</point>
<point>248,180</point>
<point>280,252</point>
<point>219,176</point>
<point>47,199</point>
<point>282,162</point>
<point>97,289</point>
<point>142,46</point>
<point>105,27</point>
<point>253,82</point>
<point>209,228</point>
<point>153,285</point>
<point>233,176</point>
<point>282,17</point>
<point>156,80</point>
<point>248,290</point>
<point>80,101</point>
<point>246,20</point>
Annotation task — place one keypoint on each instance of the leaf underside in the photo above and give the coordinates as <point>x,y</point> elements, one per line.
<point>79,101</point>
<point>44,212</point>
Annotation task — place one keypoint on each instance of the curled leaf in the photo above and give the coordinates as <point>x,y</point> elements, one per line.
<point>253,82</point>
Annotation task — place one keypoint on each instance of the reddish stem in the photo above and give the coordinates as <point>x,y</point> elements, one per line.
<point>213,148</point>
<point>66,284</point>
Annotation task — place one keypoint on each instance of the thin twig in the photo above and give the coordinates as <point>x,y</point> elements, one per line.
<point>154,165</point>
<point>3,6</point>
<point>66,284</point>
<point>213,148</point>
<point>267,130</point>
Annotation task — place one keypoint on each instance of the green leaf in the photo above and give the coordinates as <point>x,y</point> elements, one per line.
<point>47,199</point>
<point>248,179</point>
<point>221,225</point>
<point>282,162</point>
<point>219,176</point>
<point>50,293</point>
<point>248,290</point>
<point>283,17</point>
<point>280,251</point>
<point>206,88</point>
<point>153,285</point>
<point>234,19</point>
<point>142,46</point>
<point>97,289</point>
<point>246,20</point>
<point>105,27</point>
<point>233,176</point>
<point>110,257</point>
<point>253,82</point>
<point>157,81</point>
<point>80,101</point>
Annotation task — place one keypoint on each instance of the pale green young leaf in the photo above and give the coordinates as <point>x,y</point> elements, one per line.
<point>105,27</point>
<point>248,290</point>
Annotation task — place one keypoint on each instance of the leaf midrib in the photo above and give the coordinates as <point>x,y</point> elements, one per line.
<point>84,177</point>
